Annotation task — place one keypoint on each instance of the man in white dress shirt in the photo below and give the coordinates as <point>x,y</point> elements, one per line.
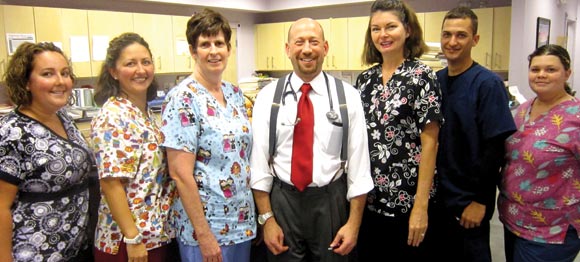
<point>321,222</point>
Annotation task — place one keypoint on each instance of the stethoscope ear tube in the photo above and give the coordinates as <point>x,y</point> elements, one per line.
<point>331,115</point>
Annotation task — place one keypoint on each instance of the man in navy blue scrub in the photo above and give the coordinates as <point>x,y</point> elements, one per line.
<point>471,143</point>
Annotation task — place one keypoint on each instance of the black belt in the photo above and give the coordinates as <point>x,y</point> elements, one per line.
<point>43,196</point>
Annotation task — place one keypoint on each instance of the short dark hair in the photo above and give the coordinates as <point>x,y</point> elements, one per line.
<point>557,51</point>
<point>21,66</point>
<point>207,23</point>
<point>414,45</point>
<point>462,13</point>
<point>107,86</point>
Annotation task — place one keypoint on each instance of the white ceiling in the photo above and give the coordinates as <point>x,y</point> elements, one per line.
<point>279,5</point>
<point>258,5</point>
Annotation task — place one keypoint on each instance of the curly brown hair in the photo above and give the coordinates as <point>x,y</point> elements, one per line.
<point>21,66</point>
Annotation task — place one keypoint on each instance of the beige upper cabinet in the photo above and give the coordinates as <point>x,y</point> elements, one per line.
<point>421,20</point>
<point>270,46</point>
<point>3,50</point>
<point>47,22</point>
<point>336,33</point>
<point>183,61</point>
<point>62,26</point>
<point>103,27</point>
<point>432,28</point>
<point>501,38</point>
<point>231,72</point>
<point>482,52</point>
<point>156,30</point>
<point>18,19</point>
<point>15,20</point>
<point>357,29</point>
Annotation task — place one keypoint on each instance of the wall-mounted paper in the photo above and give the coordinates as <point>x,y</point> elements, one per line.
<point>14,40</point>
<point>516,93</point>
<point>79,49</point>
<point>58,44</point>
<point>181,46</point>
<point>100,44</point>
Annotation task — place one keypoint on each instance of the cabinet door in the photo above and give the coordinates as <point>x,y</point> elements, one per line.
<point>357,29</point>
<point>183,61</point>
<point>155,30</point>
<point>433,23</point>
<point>284,57</point>
<point>58,26</point>
<point>75,25</point>
<point>482,53</point>
<point>421,20</point>
<point>17,20</point>
<point>336,33</point>
<point>103,27</point>
<point>3,50</point>
<point>231,72</point>
<point>47,22</point>
<point>270,42</point>
<point>262,58</point>
<point>501,38</point>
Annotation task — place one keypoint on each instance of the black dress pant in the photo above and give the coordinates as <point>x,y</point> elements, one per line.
<point>309,220</point>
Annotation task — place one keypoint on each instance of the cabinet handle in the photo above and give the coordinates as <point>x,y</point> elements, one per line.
<point>272,62</point>
<point>487,55</point>
<point>333,65</point>
<point>159,62</point>
<point>497,61</point>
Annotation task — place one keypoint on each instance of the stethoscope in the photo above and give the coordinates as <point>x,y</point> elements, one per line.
<point>331,115</point>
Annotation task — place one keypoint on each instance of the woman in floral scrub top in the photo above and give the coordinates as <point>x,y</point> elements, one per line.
<point>133,220</point>
<point>401,100</point>
<point>540,190</point>
<point>208,140</point>
<point>44,162</point>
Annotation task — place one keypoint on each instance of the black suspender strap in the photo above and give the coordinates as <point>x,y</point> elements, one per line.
<point>344,116</point>
<point>274,116</point>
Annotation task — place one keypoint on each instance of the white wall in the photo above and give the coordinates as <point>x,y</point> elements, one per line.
<point>523,36</point>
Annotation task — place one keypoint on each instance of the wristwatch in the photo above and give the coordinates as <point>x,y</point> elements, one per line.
<point>136,240</point>
<point>264,217</point>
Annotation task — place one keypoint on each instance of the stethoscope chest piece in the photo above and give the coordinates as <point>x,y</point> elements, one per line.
<point>331,115</point>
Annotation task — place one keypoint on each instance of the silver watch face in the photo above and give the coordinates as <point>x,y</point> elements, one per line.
<point>262,218</point>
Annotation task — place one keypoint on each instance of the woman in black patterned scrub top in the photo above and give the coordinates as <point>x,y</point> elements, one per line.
<point>44,161</point>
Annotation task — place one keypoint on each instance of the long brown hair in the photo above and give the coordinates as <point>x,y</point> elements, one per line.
<point>414,45</point>
<point>107,86</point>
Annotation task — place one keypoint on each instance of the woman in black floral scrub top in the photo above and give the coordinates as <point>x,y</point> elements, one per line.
<point>44,162</point>
<point>401,100</point>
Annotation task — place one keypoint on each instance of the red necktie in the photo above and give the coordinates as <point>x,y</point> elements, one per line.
<point>301,175</point>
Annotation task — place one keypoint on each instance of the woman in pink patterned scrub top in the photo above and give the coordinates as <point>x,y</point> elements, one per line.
<point>539,202</point>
